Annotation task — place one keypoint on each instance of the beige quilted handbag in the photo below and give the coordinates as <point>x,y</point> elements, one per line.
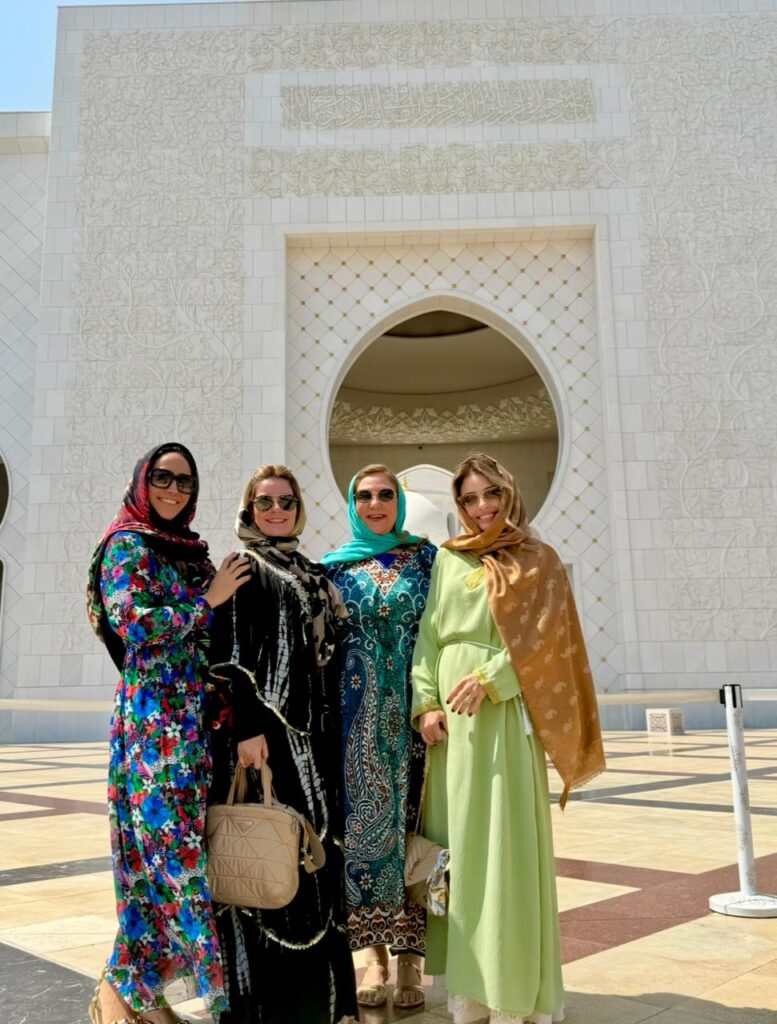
<point>255,850</point>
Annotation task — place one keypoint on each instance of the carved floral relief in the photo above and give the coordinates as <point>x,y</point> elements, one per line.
<point>158,290</point>
<point>504,419</point>
<point>438,170</point>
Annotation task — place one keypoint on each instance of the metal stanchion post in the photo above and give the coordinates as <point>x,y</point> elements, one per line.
<point>748,902</point>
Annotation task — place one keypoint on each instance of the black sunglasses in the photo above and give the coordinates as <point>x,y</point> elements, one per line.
<point>185,482</point>
<point>264,502</point>
<point>385,494</point>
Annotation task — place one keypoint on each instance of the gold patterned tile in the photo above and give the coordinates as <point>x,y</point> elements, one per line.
<point>9,807</point>
<point>71,931</point>
<point>750,998</point>
<point>677,964</point>
<point>53,777</point>
<point>58,889</point>
<point>88,959</point>
<point>35,841</point>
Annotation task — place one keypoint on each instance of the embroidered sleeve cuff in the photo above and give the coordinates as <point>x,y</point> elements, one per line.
<point>490,689</point>
<point>429,705</point>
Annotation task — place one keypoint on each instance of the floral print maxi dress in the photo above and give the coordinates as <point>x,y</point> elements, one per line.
<point>157,781</point>
<point>383,759</point>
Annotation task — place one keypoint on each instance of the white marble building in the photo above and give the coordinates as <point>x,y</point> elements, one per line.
<point>233,201</point>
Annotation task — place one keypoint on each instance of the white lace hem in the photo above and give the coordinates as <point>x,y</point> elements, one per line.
<point>468,1011</point>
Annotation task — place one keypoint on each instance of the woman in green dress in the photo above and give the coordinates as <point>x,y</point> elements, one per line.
<point>500,678</point>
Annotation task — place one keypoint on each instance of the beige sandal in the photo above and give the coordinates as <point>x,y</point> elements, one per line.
<point>96,1014</point>
<point>96,1010</point>
<point>417,989</point>
<point>379,990</point>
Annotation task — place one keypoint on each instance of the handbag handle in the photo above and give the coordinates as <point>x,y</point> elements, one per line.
<point>313,853</point>
<point>237,791</point>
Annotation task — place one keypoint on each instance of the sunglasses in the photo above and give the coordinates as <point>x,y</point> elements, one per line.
<point>385,494</point>
<point>264,502</point>
<point>185,482</point>
<point>471,500</point>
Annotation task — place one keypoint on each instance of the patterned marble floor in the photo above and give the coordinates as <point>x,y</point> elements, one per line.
<point>638,855</point>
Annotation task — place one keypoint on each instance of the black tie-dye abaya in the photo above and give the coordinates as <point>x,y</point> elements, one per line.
<point>273,675</point>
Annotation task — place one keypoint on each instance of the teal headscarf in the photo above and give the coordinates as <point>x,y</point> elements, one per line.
<point>365,543</point>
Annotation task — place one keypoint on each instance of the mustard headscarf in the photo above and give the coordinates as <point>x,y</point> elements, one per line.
<point>534,610</point>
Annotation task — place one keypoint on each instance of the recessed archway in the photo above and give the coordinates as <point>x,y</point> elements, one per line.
<point>5,497</point>
<point>5,489</point>
<point>437,385</point>
<point>538,292</point>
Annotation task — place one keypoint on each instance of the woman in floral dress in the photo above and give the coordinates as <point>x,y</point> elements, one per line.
<point>151,593</point>
<point>383,574</point>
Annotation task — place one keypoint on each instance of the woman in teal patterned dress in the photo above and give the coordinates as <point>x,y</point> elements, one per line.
<point>383,574</point>
<point>151,593</point>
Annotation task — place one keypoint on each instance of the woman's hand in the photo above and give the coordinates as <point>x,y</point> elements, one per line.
<point>233,573</point>
<point>252,753</point>
<point>466,696</point>
<point>433,727</point>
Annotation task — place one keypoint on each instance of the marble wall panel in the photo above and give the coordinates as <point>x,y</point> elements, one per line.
<point>156,297</point>
<point>171,201</point>
<point>22,210</point>
<point>439,170</point>
<point>498,42</point>
<point>548,101</point>
<point>702,99</point>
<point>428,44</point>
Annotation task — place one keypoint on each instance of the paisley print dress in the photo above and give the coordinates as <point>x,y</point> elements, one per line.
<point>158,778</point>
<point>383,759</point>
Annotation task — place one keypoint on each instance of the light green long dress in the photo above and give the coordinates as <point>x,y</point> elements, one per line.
<point>487,800</point>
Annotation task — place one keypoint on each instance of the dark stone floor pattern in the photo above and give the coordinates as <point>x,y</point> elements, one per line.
<point>43,872</point>
<point>36,991</point>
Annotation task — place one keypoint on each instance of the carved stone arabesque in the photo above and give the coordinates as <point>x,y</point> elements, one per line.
<point>505,419</point>
<point>442,170</point>
<point>645,43</point>
<point>530,101</point>
<point>22,208</point>
<point>158,288</point>
<point>704,99</point>
<point>426,44</point>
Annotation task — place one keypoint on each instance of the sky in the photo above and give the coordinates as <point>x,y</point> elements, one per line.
<point>28,31</point>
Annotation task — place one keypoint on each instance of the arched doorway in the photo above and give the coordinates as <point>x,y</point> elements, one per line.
<point>539,294</point>
<point>436,387</point>
<point>431,511</point>
<point>5,489</point>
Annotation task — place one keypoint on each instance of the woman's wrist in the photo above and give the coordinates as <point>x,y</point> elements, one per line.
<point>491,691</point>
<point>431,705</point>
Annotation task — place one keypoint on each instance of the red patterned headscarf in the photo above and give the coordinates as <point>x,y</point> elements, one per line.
<point>172,539</point>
